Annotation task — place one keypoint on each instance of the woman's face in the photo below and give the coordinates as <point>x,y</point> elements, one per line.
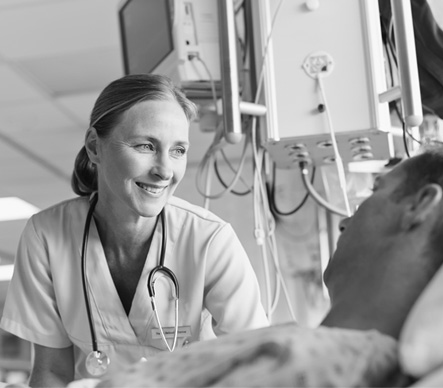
<point>143,159</point>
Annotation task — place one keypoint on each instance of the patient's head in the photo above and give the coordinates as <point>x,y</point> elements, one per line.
<point>389,250</point>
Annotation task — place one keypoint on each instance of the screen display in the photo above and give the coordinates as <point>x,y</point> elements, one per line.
<point>145,27</point>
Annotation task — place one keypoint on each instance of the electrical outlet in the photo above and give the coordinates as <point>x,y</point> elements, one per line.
<point>317,63</point>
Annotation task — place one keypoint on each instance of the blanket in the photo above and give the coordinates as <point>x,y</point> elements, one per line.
<point>277,356</point>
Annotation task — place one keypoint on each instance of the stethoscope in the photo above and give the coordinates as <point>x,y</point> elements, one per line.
<point>97,361</point>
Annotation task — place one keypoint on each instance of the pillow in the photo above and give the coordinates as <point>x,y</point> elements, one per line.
<point>421,338</point>
<point>284,355</point>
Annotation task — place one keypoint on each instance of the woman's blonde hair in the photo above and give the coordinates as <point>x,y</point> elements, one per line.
<point>119,96</point>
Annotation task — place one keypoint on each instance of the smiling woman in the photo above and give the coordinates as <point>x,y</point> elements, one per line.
<point>95,275</point>
<point>146,151</point>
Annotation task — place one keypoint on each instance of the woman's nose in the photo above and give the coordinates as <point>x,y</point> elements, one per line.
<point>163,167</point>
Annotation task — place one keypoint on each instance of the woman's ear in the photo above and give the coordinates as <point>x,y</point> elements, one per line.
<point>91,145</point>
<point>423,205</point>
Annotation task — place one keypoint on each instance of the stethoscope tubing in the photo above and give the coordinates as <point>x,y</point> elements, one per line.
<point>150,282</point>
<point>161,267</point>
<point>162,333</point>
<point>151,289</point>
<point>93,202</point>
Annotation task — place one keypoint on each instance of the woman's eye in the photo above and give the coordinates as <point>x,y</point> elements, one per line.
<point>179,151</point>
<point>145,147</point>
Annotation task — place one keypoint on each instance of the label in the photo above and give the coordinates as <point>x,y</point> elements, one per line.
<point>169,332</point>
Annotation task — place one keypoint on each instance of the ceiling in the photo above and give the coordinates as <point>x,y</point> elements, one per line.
<point>55,57</point>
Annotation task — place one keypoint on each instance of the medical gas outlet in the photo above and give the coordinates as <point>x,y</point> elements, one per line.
<point>317,64</point>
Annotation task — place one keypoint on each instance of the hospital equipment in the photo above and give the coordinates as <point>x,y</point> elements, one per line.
<point>97,361</point>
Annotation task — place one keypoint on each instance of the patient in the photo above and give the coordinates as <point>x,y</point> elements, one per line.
<point>390,249</point>
<point>386,254</point>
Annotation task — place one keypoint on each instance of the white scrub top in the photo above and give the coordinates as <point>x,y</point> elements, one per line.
<point>45,302</point>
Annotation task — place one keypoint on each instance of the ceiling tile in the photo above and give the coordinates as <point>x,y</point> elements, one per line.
<point>37,166</point>
<point>87,70</point>
<point>20,3</point>
<point>15,88</point>
<point>51,28</point>
<point>33,116</point>
<point>80,105</point>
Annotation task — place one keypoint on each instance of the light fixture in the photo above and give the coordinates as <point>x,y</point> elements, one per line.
<point>6,272</point>
<point>14,208</point>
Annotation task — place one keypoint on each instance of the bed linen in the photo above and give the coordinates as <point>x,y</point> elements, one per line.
<point>278,356</point>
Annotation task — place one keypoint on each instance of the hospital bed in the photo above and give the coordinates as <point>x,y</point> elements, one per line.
<point>287,355</point>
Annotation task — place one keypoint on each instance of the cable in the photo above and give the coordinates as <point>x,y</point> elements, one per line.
<point>208,183</point>
<point>405,142</point>
<point>391,53</point>
<point>267,230</point>
<point>220,179</point>
<point>207,161</point>
<point>338,160</point>
<point>271,195</point>
<point>390,40</point>
<point>229,164</point>
<point>264,218</point>
<point>316,196</point>
<point>265,52</point>
<point>264,228</point>
<point>211,80</point>
<point>210,155</point>
<point>405,132</point>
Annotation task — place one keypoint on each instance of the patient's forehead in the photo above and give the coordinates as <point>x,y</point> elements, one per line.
<point>393,177</point>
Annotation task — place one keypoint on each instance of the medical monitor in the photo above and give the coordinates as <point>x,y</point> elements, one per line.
<point>146,34</point>
<point>172,37</point>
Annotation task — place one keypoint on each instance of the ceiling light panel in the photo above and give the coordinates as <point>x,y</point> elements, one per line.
<point>13,208</point>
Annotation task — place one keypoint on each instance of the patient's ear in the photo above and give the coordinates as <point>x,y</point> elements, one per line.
<point>91,138</point>
<point>423,204</point>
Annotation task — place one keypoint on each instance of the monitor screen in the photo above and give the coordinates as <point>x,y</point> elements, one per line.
<point>146,34</point>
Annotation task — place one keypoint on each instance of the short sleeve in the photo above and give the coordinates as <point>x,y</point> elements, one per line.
<point>30,310</point>
<point>232,293</point>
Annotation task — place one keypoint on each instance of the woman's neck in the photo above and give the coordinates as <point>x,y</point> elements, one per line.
<point>124,236</point>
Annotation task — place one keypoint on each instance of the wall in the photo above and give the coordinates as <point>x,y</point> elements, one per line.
<point>297,235</point>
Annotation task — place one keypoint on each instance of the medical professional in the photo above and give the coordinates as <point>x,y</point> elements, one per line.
<point>126,269</point>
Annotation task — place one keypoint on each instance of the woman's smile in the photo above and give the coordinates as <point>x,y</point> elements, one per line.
<point>152,189</point>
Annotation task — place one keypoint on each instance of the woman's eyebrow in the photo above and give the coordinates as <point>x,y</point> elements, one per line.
<point>155,140</point>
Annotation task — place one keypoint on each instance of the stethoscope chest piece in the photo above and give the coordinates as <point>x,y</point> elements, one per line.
<point>97,363</point>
